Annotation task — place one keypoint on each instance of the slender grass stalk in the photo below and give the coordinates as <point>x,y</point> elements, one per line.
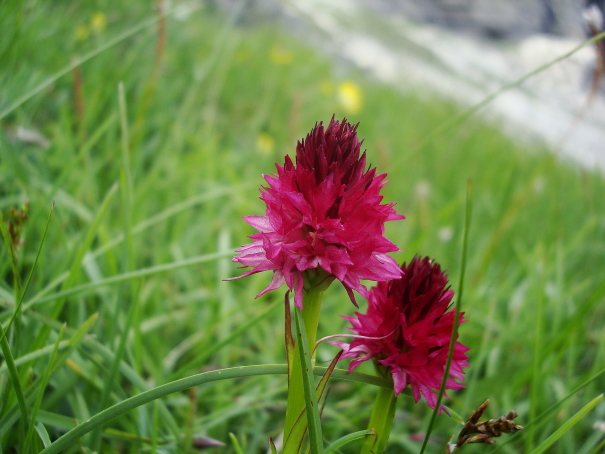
<point>467,224</point>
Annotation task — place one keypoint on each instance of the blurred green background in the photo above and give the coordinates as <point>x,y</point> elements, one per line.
<point>212,100</point>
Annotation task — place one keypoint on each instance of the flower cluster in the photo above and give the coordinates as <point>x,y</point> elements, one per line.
<point>407,329</point>
<point>323,212</point>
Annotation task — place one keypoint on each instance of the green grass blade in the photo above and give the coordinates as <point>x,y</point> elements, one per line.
<point>236,445</point>
<point>335,445</point>
<point>467,223</point>
<point>313,421</point>
<point>567,426</point>
<point>35,355</point>
<point>41,389</point>
<point>43,434</point>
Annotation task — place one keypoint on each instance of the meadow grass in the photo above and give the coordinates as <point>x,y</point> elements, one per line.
<point>150,182</point>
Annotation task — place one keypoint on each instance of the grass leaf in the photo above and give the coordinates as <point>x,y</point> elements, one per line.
<point>567,426</point>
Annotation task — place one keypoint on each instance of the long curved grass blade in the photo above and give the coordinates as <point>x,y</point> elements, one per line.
<point>567,426</point>
<point>467,223</point>
<point>335,445</point>
<point>313,421</point>
<point>195,380</point>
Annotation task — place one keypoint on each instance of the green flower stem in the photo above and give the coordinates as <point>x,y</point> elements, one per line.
<point>381,422</point>
<point>296,397</point>
<point>316,282</point>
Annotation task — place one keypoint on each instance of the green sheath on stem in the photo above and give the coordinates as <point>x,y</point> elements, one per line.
<point>315,284</point>
<point>381,422</point>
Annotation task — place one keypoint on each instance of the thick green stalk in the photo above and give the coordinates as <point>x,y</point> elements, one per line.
<point>381,422</point>
<point>296,397</point>
<point>315,285</point>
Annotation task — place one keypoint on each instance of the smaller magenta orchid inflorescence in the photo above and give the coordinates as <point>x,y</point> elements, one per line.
<point>414,308</point>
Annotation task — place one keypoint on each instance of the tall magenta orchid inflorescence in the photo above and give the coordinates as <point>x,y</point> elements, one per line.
<point>323,212</point>
<point>410,327</point>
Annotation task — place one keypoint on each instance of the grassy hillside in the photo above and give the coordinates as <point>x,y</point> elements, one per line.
<point>159,183</point>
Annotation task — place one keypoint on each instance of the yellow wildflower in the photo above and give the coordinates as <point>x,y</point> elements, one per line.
<point>98,22</point>
<point>265,143</point>
<point>349,97</point>
<point>280,56</point>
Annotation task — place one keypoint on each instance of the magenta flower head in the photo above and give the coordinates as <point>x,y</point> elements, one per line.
<point>410,326</point>
<point>324,212</point>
